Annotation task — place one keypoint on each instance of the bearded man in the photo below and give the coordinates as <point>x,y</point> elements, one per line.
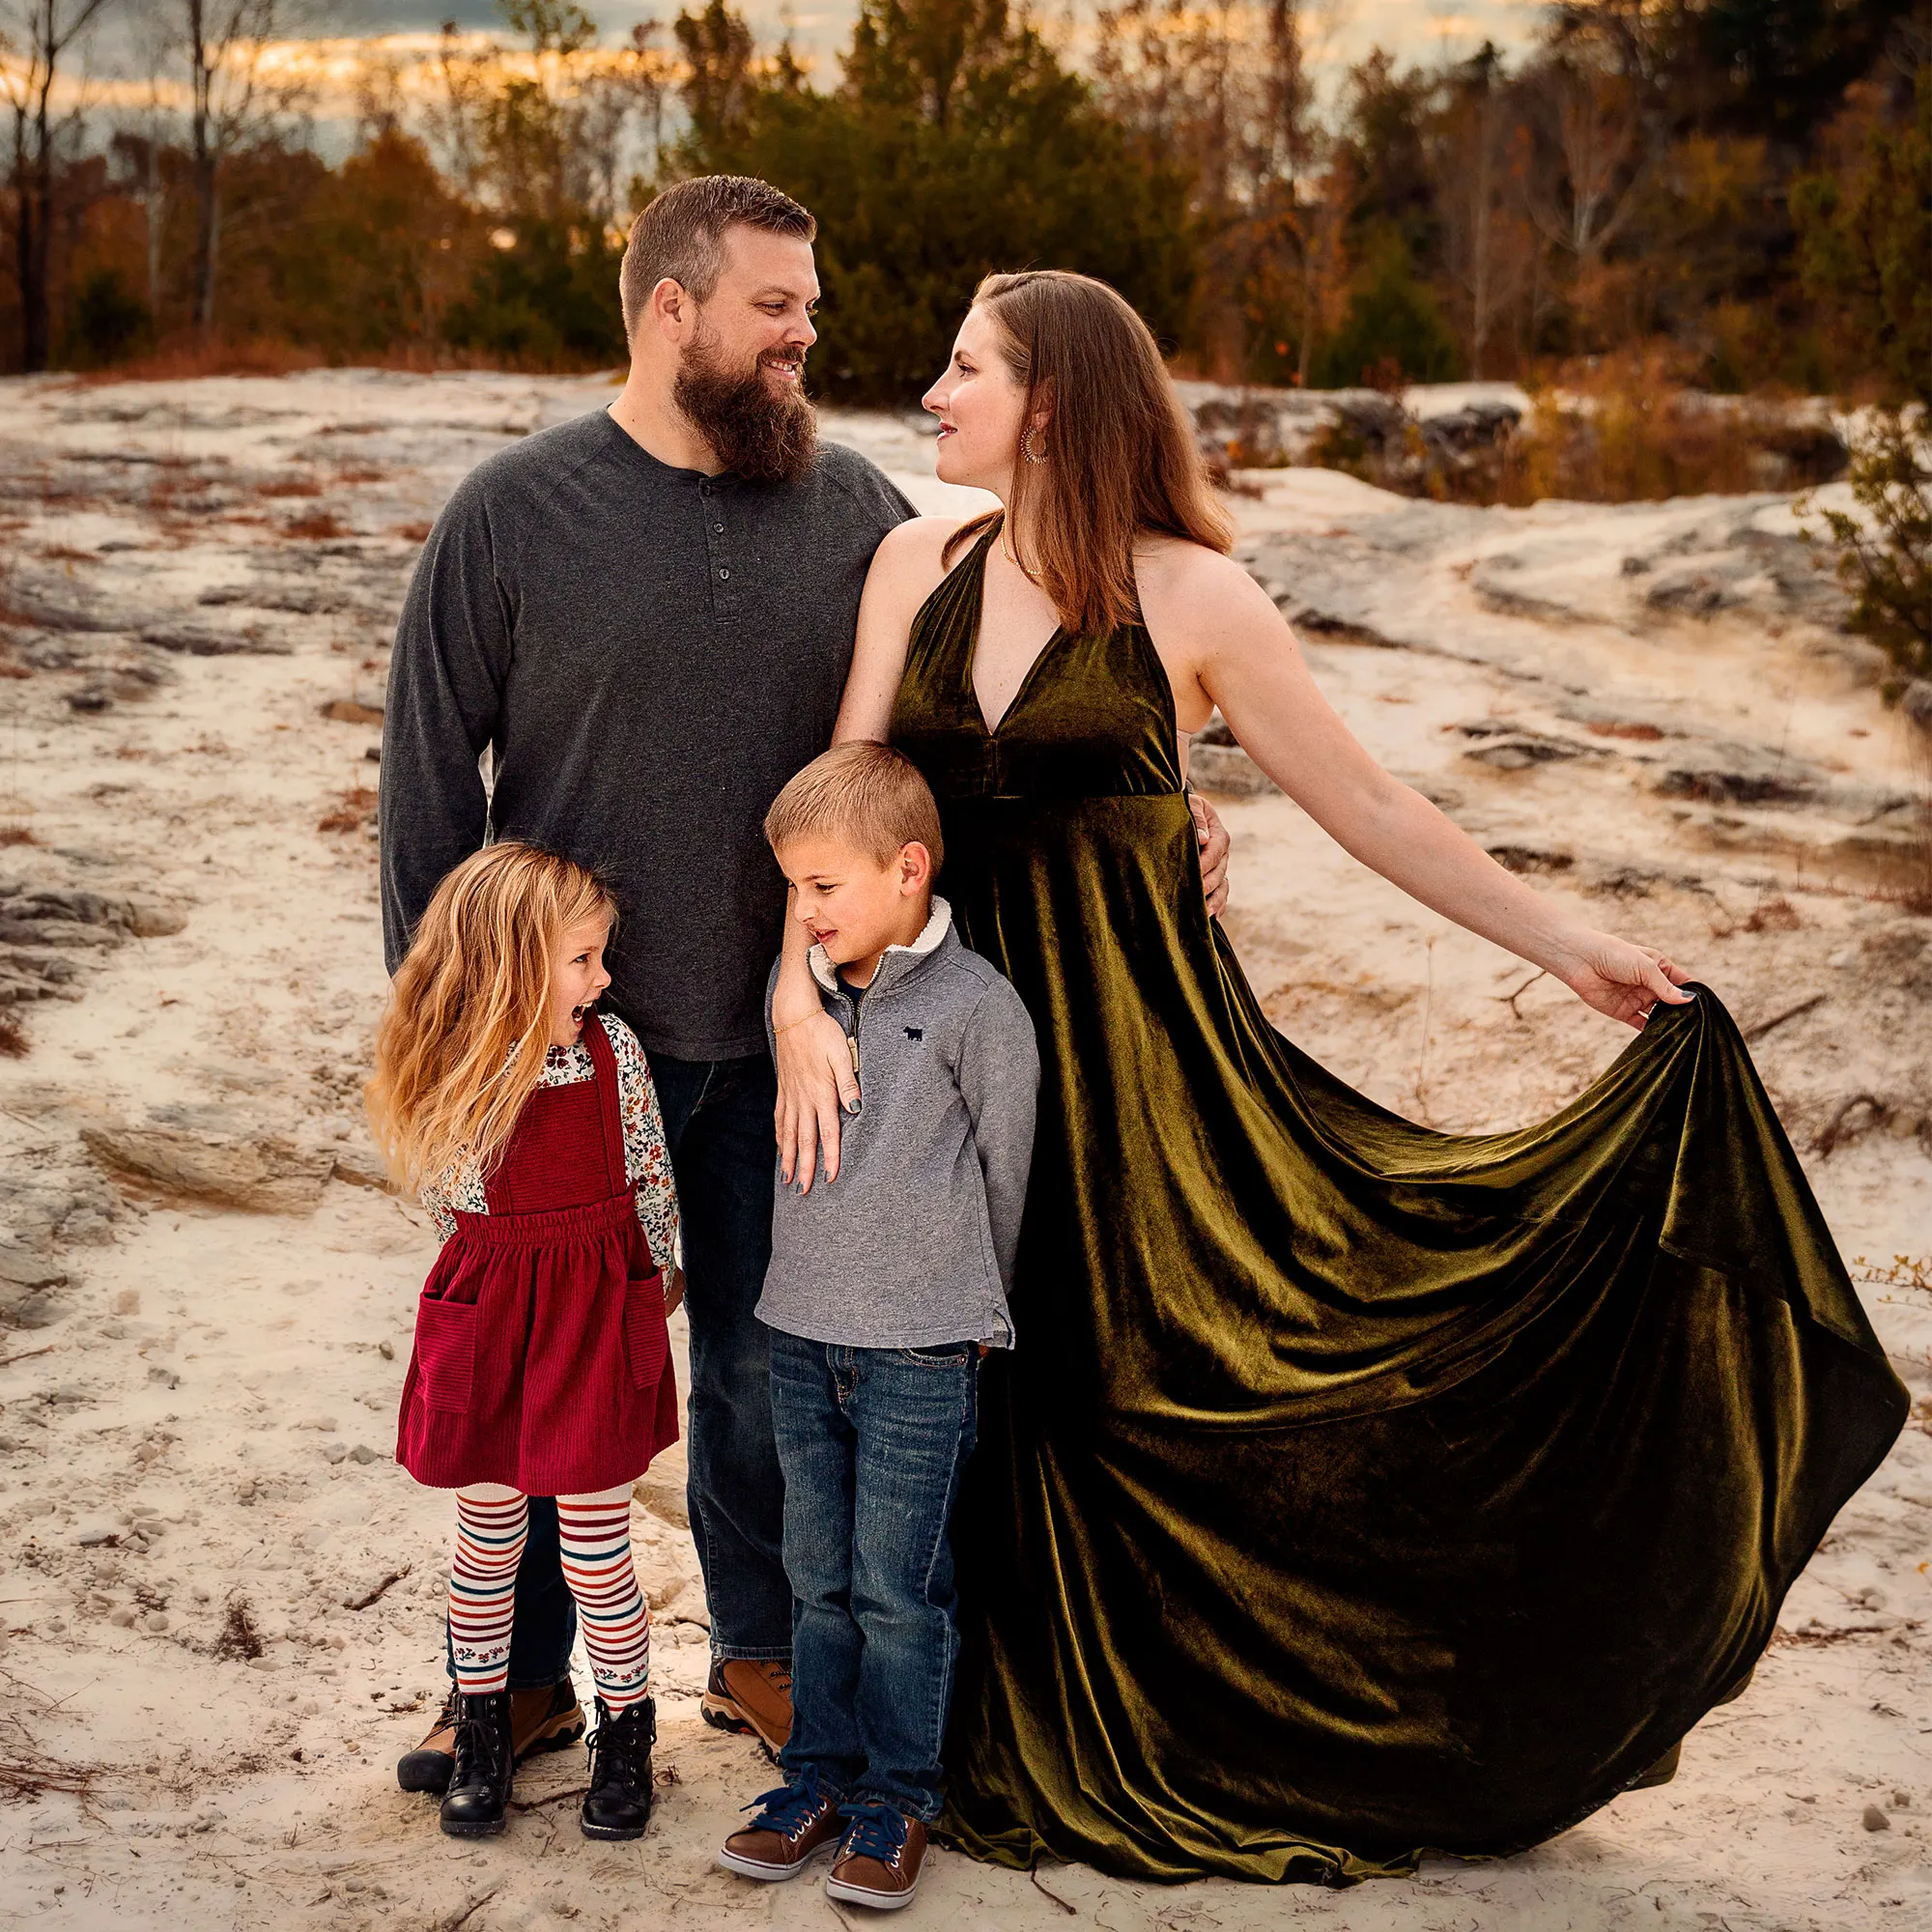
<point>643,620</point>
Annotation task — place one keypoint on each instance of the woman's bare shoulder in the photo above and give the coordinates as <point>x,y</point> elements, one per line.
<point>906,569</point>
<point>916,546</point>
<point>1190,587</point>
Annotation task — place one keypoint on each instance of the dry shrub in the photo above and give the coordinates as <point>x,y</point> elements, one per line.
<point>318,526</point>
<point>238,1638</point>
<point>29,1772</point>
<point>1777,915</point>
<point>1628,429</point>
<point>12,1038</point>
<point>174,477</point>
<point>66,554</point>
<point>55,492</point>
<point>17,834</point>
<point>1901,1271</point>
<point>361,472</point>
<point>188,356</point>
<point>352,810</point>
<point>411,533</point>
<point>289,486</point>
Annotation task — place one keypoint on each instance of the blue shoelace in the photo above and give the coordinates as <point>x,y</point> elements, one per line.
<point>785,1810</point>
<point>876,1832</point>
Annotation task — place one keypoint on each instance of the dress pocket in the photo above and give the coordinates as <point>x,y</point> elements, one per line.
<point>446,1351</point>
<point>646,1339</point>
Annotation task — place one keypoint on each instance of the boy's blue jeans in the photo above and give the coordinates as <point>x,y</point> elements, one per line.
<point>873,1442</point>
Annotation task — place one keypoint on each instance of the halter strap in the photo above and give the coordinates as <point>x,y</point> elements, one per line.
<point>611,1114</point>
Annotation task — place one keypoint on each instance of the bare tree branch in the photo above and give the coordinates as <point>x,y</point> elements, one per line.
<point>36,36</point>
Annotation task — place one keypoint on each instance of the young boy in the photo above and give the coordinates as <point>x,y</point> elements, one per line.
<point>885,1289</point>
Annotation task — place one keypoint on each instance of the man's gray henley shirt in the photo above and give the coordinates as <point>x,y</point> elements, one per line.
<point>649,654</point>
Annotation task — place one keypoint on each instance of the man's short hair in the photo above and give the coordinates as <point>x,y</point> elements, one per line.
<point>681,235</point>
<point>865,793</point>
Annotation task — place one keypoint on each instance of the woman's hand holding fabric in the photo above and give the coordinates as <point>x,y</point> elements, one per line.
<point>1621,980</point>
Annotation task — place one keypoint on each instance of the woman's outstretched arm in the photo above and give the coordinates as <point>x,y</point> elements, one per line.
<point>1226,644</point>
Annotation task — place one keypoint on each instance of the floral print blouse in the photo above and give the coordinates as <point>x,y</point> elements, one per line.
<point>646,1160</point>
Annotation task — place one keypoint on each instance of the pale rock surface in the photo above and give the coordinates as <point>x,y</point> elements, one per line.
<point>197,1731</point>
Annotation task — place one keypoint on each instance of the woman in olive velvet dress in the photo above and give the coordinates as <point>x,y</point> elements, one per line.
<point>1354,1488</point>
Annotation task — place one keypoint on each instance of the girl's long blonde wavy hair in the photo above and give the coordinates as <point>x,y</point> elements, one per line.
<point>461,1046</point>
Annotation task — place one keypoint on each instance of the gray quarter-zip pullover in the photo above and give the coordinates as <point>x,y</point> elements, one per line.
<point>912,1246</point>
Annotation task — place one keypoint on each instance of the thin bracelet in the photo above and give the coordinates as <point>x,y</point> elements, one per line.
<point>800,1021</point>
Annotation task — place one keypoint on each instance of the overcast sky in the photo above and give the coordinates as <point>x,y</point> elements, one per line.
<point>1412,29</point>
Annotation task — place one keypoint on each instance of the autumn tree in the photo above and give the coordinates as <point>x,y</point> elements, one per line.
<point>956,144</point>
<point>1222,92</point>
<point>1866,231</point>
<point>39,39</point>
<point>234,100</point>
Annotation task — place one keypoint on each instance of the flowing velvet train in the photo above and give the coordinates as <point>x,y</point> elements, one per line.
<point>1354,1488</point>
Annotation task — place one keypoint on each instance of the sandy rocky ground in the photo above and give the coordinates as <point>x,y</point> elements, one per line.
<point>221,1599</point>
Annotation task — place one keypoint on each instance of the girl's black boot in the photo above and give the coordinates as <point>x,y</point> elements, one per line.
<point>618,1803</point>
<point>477,1802</point>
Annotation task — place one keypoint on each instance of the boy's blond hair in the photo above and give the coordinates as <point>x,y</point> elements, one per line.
<point>474,985</point>
<point>869,794</point>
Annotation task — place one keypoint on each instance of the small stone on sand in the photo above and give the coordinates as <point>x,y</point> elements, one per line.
<point>1875,1820</point>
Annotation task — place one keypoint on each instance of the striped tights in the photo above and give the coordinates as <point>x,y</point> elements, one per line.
<point>594,1535</point>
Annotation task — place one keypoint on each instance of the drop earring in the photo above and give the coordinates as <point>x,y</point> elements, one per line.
<point>1027,449</point>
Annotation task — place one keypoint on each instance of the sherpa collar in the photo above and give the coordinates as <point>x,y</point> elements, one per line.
<point>899,961</point>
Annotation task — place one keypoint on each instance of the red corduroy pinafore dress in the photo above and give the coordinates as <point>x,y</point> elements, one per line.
<point>541,1357</point>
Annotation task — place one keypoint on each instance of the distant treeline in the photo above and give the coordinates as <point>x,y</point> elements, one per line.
<point>1738,192</point>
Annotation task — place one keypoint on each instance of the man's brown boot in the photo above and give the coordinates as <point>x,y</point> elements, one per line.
<point>878,1863</point>
<point>793,1824</point>
<point>545,1720</point>
<point>751,1694</point>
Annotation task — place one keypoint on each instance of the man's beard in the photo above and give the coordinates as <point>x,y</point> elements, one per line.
<point>764,437</point>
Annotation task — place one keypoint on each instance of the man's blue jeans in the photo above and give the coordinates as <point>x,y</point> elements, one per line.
<point>872,1442</point>
<point>717,1127</point>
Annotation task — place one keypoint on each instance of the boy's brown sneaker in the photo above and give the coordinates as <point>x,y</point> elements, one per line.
<point>751,1694</point>
<point>878,1863</point>
<point>543,1720</point>
<point>793,1823</point>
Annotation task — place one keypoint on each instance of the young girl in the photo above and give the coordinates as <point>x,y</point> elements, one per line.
<point>529,1126</point>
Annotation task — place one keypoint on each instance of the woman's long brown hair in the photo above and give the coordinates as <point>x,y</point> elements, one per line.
<point>461,1042</point>
<point>1121,459</point>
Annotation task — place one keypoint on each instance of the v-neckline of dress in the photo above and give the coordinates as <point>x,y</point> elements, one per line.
<point>976,617</point>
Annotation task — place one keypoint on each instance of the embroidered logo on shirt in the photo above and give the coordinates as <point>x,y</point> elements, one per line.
<point>915,1033</point>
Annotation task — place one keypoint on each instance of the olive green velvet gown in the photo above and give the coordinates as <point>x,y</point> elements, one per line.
<point>1354,1488</point>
